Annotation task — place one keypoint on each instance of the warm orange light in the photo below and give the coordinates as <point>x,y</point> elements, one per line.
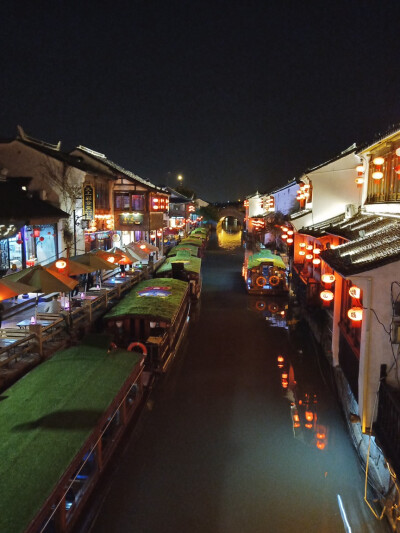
<point>284,228</point>
<point>61,264</point>
<point>309,247</point>
<point>280,359</point>
<point>355,314</point>
<point>328,278</point>
<point>360,169</point>
<point>316,261</point>
<point>377,175</point>
<point>359,181</point>
<point>284,375</point>
<point>355,292</point>
<point>317,251</point>
<point>309,257</point>
<point>285,384</point>
<point>320,435</point>
<point>309,416</point>
<point>296,417</point>
<point>290,241</point>
<point>111,259</point>
<point>284,236</point>
<point>378,161</point>
<point>302,252</point>
<point>308,426</point>
<point>142,246</point>
<point>326,295</point>
<point>302,245</point>
<point>290,232</point>
<point>320,445</point>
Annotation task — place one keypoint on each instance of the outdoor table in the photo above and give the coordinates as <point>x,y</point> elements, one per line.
<point>6,343</point>
<point>85,297</point>
<point>114,281</point>
<point>26,323</point>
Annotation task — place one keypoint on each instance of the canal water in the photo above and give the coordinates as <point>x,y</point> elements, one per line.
<point>232,438</point>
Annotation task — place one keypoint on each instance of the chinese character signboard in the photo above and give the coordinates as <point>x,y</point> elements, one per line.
<point>88,202</point>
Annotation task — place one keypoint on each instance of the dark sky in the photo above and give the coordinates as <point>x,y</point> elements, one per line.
<point>234,95</point>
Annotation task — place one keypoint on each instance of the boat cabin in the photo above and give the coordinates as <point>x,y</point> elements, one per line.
<point>185,267</point>
<point>265,273</point>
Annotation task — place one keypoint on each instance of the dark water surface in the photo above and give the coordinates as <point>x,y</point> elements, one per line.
<point>216,450</point>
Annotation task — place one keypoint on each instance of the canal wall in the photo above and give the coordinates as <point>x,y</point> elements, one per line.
<point>371,457</point>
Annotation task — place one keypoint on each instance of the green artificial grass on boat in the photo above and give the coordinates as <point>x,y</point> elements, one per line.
<point>46,418</point>
<point>193,250</point>
<point>190,263</point>
<point>265,256</point>
<point>156,307</point>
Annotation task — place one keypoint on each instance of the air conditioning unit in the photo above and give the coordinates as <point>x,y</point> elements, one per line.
<point>350,210</point>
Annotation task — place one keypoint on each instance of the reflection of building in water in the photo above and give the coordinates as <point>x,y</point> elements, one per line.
<point>303,408</point>
<point>228,239</point>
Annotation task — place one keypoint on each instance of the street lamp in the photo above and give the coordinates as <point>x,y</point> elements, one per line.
<point>180,178</point>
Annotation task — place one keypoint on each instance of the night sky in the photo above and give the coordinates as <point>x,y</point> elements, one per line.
<point>236,96</point>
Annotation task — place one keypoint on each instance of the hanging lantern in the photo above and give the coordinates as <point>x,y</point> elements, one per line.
<point>290,232</point>
<point>355,292</point>
<point>355,314</point>
<point>378,161</point>
<point>316,261</point>
<point>302,245</point>
<point>326,295</point>
<point>302,252</point>
<point>309,416</point>
<point>316,251</point>
<point>377,175</point>
<point>20,241</point>
<point>284,228</point>
<point>360,169</point>
<point>61,264</point>
<point>281,360</point>
<point>359,180</point>
<point>284,236</point>
<point>328,278</point>
<point>36,232</point>
<point>41,239</point>
<point>398,152</point>
<point>397,169</point>
<point>309,257</point>
<point>290,241</point>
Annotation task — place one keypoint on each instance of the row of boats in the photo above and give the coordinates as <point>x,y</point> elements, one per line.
<point>62,422</point>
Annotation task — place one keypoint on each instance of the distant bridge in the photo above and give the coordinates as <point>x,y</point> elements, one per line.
<point>234,210</point>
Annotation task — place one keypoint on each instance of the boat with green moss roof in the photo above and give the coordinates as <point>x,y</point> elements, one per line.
<point>265,273</point>
<point>193,250</point>
<point>185,267</point>
<point>59,427</point>
<point>153,316</point>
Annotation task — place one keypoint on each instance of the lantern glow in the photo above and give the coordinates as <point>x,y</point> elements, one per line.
<point>355,314</point>
<point>316,261</point>
<point>378,161</point>
<point>61,264</point>
<point>328,278</point>
<point>290,241</point>
<point>326,295</point>
<point>355,292</point>
<point>302,245</point>
<point>377,175</point>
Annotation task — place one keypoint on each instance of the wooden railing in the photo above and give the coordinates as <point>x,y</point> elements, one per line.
<point>387,425</point>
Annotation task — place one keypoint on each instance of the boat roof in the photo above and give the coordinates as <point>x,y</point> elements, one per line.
<point>190,263</point>
<point>264,256</point>
<point>193,250</point>
<point>196,241</point>
<point>157,299</point>
<point>46,419</point>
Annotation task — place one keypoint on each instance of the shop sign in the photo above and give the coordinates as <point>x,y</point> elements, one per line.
<point>130,219</point>
<point>88,202</point>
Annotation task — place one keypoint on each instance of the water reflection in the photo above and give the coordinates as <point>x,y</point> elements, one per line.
<point>229,236</point>
<point>273,310</point>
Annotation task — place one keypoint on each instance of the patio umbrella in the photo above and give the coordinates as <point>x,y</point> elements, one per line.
<point>125,258</point>
<point>71,268</point>
<point>140,254</point>
<point>147,245</point>
<point>9,289</point>
<point>42,280</point>
<point>95,262</point>
<point>108,256</point>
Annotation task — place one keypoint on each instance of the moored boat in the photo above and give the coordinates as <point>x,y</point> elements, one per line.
<point>265,273</point>
<point>152,317</point>
<point>60,425</point>
<point>185,267</point>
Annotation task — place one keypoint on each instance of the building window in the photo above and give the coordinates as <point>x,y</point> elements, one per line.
<point>138,202</point>
<point>122,201</point>
<point>386,189</point>
<point>102,196</point>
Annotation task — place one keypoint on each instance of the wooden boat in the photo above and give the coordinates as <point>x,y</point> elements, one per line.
<point>152,317</point>
<point>185,267</point>
<point>60,425</point>
<point>265,273</point>
<point>195,251</point>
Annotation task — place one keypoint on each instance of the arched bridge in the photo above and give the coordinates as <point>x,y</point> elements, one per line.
<point>232,210</point>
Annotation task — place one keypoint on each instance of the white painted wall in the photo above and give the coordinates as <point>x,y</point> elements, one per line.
<point>285,198</point>
<point>376,348</point>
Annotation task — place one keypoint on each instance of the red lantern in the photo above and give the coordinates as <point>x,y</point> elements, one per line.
<point>355,314</point>
<point>61,264</point>
<point>20,241</point>
<point>355,292</point>
<point>41,239</point>
<point>397,170</point>
<point>328,278</point>
<point>36,232</point>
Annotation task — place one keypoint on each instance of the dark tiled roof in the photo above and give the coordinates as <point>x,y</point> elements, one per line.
<point>16,204</point>
<point>374,241</point>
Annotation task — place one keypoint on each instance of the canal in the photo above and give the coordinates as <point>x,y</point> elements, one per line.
<point>233,439</point>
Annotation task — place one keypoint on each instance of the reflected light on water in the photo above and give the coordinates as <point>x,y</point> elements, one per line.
<point>228,240</point>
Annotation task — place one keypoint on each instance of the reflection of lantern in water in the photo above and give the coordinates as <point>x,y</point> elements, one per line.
<point>281,360</point>
<point>309,416</point>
